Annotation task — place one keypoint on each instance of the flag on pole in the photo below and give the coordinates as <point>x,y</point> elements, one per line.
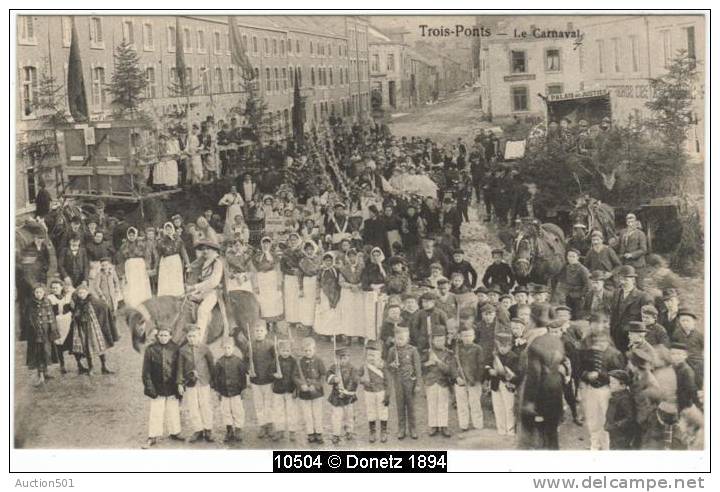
<point>180,59</point>
<point>238,50</point>
<point>298,118</point>
<point>77,99</point>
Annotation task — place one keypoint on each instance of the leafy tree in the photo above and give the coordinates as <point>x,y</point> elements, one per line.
<point>128,81</point>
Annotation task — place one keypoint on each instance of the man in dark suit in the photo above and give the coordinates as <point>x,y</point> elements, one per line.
<point>599,299</point>
<point>74,264</point>
<point>626,306</point>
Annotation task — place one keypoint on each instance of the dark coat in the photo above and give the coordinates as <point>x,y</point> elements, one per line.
<point>590,360</point>
<point>620,420</point>
<point>623,312</point>
<point>467,271</point>
<point>499,274</point>
<point>186,372</point>
<point>542,391</point>
<point>350,380</point>
<point>603,304</point>
<point>159,371</point>
<point>311,371</point>
<point>288,369</point>
<point>230,375</point>
<point>419,328</point>
<point>77,267</point>
<point>443,372</point>
<point>687,390</point>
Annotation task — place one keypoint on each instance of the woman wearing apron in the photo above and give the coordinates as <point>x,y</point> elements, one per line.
<point>268,286</point>
<point>134,275</point>
<point>309,267</point>
<point>289,266</point>
<point>374,276</point>
<point>61,301</point>
<point>234,203</point>
<point>173,263</point>
<point>328,317</point>
<point>352,303</point>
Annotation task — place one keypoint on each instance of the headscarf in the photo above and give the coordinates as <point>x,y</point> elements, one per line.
<point>171,226</point>
<point>266,254</point>
<point>311,243</point>
<point>379,263</point>
<point>131,229</point>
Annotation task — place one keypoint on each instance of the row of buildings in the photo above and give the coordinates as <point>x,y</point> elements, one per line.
<point>403,76</point>
<point>535,58</point>
<point>336,59</point>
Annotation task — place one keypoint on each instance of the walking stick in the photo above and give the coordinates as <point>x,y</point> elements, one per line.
<point>250,349</point>
<point>277,357</point>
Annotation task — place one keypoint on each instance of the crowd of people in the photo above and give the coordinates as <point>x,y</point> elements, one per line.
<point>366,249</point>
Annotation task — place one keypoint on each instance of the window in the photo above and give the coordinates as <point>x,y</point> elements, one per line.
<point>27,30</point>
<point>284,79</point>
<point>690,37</point>
<point>518,62</point>
<point>151,88</point>
<point>635,51</point>
<point>282,48</point>
<point>96,32</point>
<point>520,98</point>
<point>275,48</point>
<point>148,41</point>
<point>554,89</point>
<point>311,48</point>
<point>268,81</point>
<point>98,88</point>
<point>172,38</point>
<point>266,46</point>
<point>217,42</point>
<point>277,79</point>
<point>187,40</point>
<point>66,22</point>
<point>667,48</point>
<point>255,45</point>
<point>312,76</point>
<point>29,91</point>
<point>298,71</point>
<point>601,54</point>
<point>128,32</point>
<point>201,41</point>
<point>376,63</point>
<point>616,54</point>
<point>297,46</point>
<point>331,76</point>
<point>391,62</point>
<point>231,79</point>
<point>341,76</point>
<point>289,46</point>
<point>552,60</point>
<point>219,86</point>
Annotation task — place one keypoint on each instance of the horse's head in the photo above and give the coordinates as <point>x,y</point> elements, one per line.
<point>139,323</point>
<point>523,252</point>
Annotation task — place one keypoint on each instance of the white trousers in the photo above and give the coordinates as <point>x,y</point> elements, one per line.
<point>438,402</point>
<point>285,410</point>
<point>595,404</point>
<point>164,409</point>
<point>469,408</point>
<point>199,407</point>
<point>204,313</point>
<point>312,414</point>
<point>374,408</point>
<point>342,418</point>
<point>232,410</point>
<point>503,403</point>
<point>262,400</point>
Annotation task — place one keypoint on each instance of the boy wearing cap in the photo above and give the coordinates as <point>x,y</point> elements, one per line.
<point>668,310</point>
<point>656,334</point>
<point>598,298</point>
<point>230,381</point>
<point>687,390</point>
<point>195,379</point>
<point>504,377</point>
<point>261,371</point>
<point>439,373</point>
<point>596,360</point>
<point>404,362</point>
<point>423,323</point>
<point>309,381</point>
<point>573,283</point>
<point>446,300</point>
<point>470,362</point>
<point>387,329</point>
<point>499,273</point>
<point>693,340</point>
<point>159,373</point>
<point>375,379</point>
<point>645,390</point>
<point>578,240</point>
<point>284,408</point>
<point>619,418</point>
<point>344,380</point>
<point>460,265</point>
<point>410,308</point>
